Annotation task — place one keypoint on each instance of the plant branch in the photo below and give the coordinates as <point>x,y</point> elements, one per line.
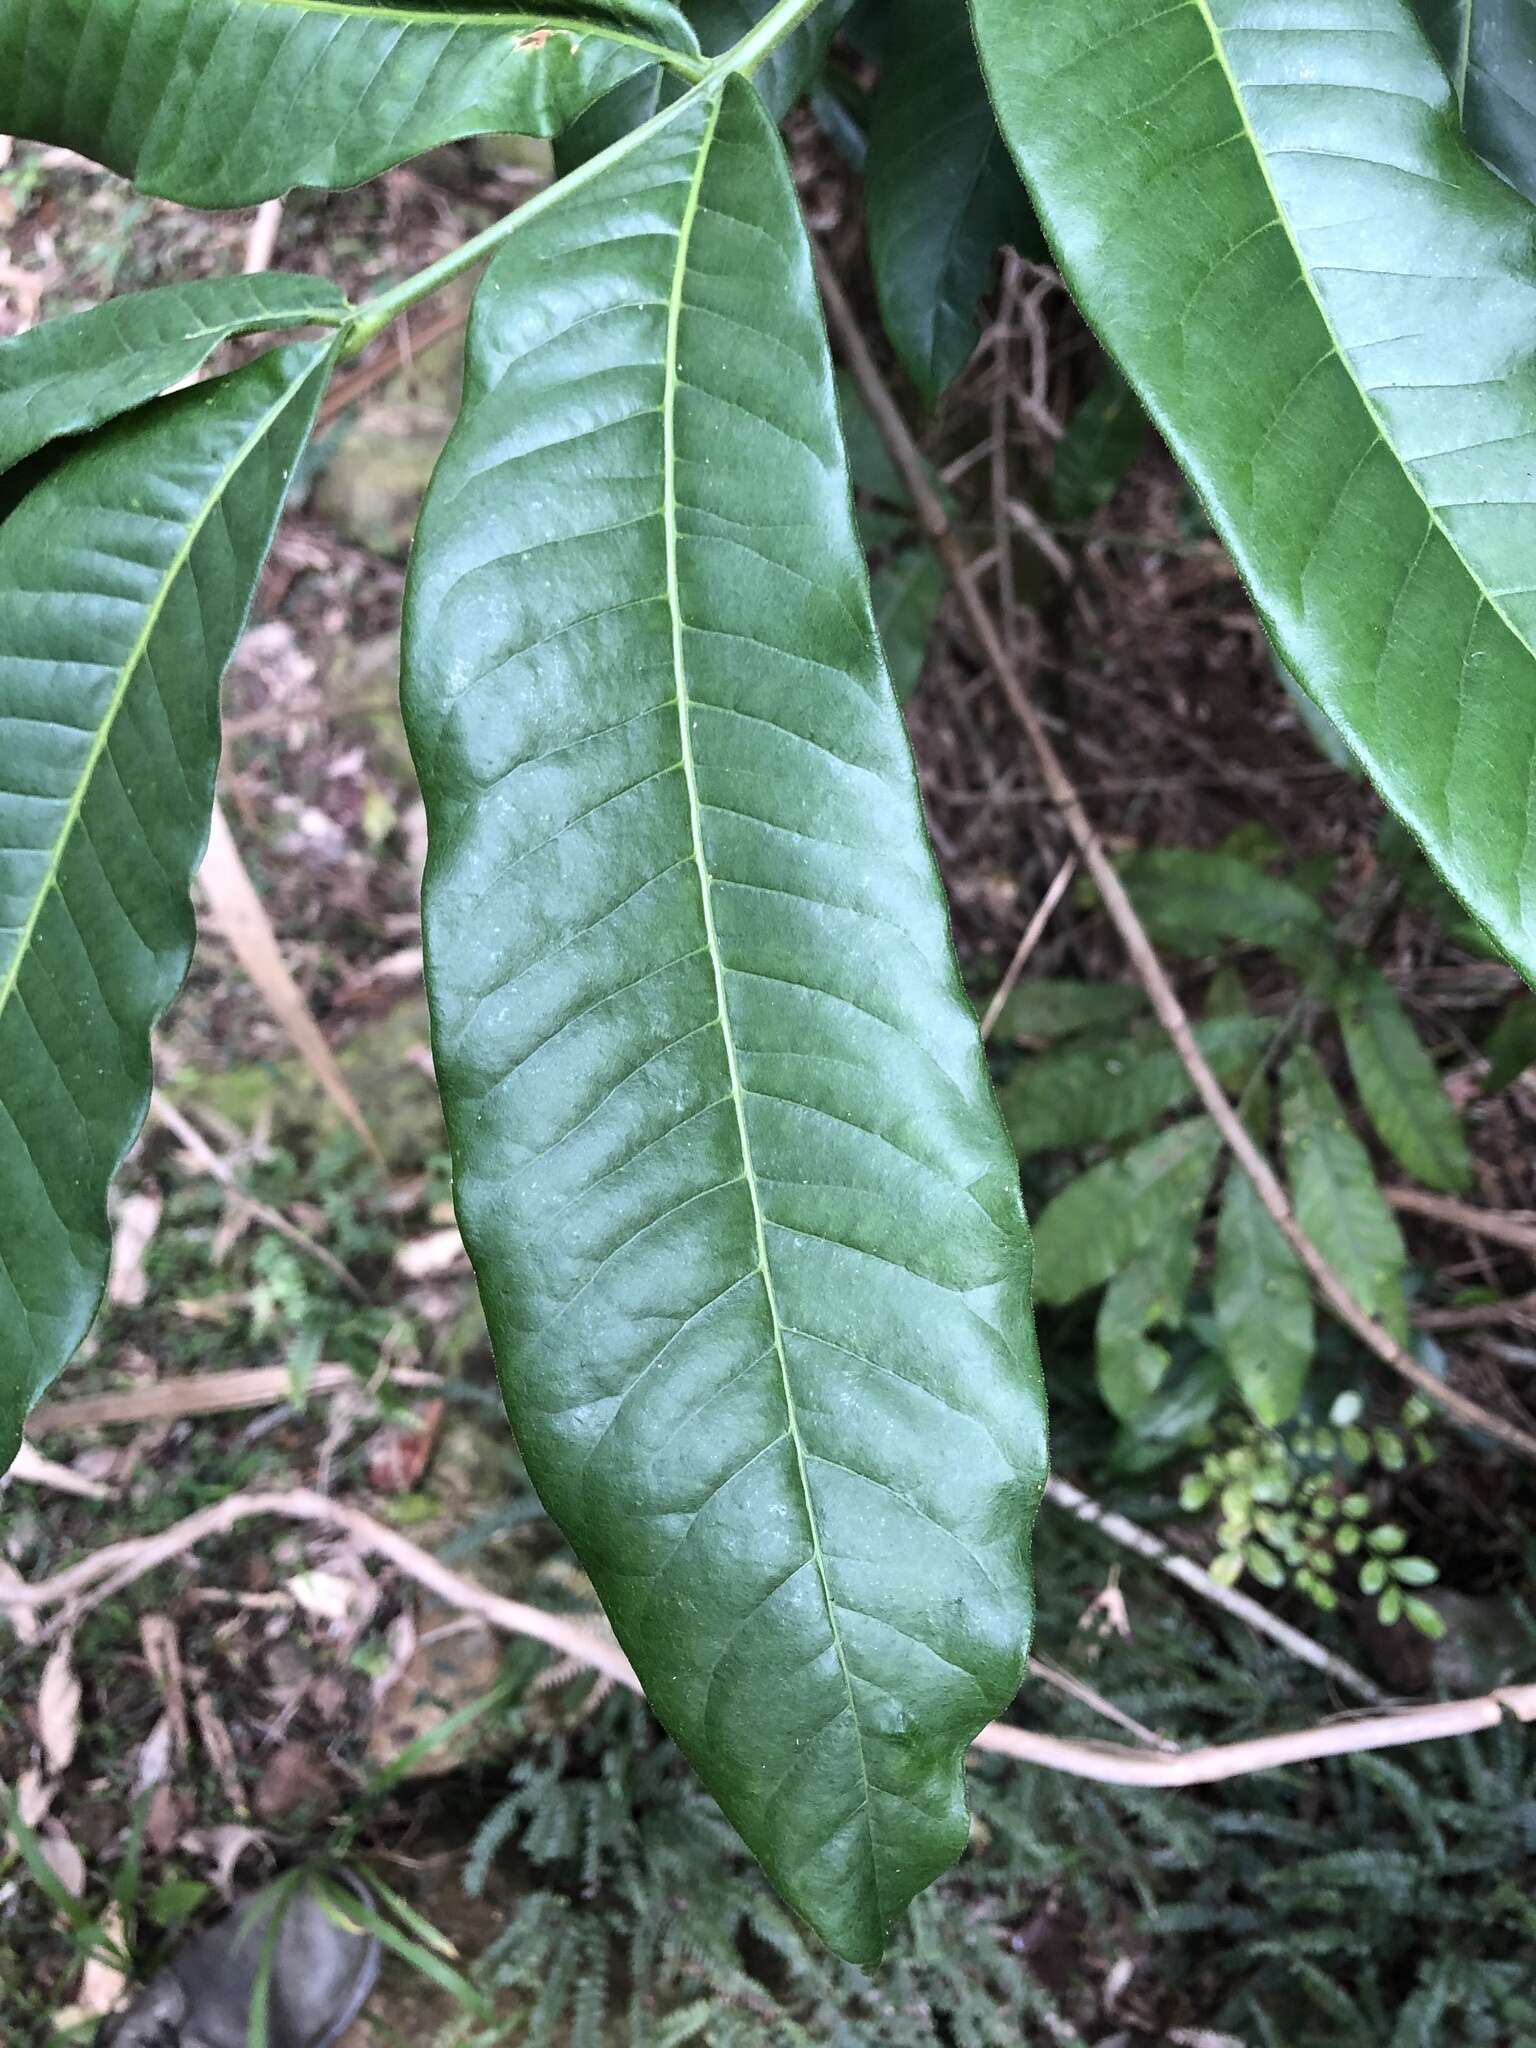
<point>96,1579</point>
<point>1143,955</point>
<point>753,50</point>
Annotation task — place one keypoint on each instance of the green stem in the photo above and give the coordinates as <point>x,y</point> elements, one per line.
<point>759,43</point>
<point>754,49</point>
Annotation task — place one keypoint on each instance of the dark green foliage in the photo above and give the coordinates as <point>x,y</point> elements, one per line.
<point>1102,440</point>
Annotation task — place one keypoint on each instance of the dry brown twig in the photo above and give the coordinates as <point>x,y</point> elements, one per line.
<point>1122,913</point>
<point>84,1586</point>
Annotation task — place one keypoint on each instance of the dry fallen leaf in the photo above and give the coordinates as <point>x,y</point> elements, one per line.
<point>102,1983</point>
<point>64,1860</point>
<point>400,1454</point>
<point>58,1707</point>
<point>22,1619</point>
<point>423,1258</point>
<point>138,1218</point>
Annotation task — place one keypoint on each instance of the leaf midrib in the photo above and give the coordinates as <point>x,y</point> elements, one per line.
<point>419,18</point>
<point>10,980</point>
<point>1304,268</point>
<point>717,964</point>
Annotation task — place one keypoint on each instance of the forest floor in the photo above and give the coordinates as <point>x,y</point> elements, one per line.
<point>284,1692</point>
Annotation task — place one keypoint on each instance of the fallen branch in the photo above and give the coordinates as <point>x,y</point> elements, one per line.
<point>267,1386</point>
<point>1143,955</point>
<point>84,1586</point>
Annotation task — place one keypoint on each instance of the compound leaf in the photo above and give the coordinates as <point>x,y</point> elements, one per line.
<point>908,591</point>
<point>1103,1219</point>
<point>69,375</point>
<point>1271,217</point>
<point>1399,1085</point>
<point>1145,1295</point>
<point>1196,903</point>
<point>1098,1092</point>
<point>1333,1188</point>
<point>1262,1300</point>
<point>941,192</point>
<point>227,102</point>
<point>1047,1010</point>
<point>746,1222</point>
<point>125,580</point>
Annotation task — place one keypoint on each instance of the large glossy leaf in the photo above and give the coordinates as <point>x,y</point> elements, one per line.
<point>1488,48</point>
<point>1333,1187</point>
<point>125,579</point>
<point>745,1219</point>
<point>941,193</point>
<point>1399,1084</point>
<point>226,102</point>
<point>70,375</point>
<point>1270,216</point>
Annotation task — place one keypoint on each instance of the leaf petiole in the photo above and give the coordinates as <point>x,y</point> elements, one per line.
<point>752,51</point>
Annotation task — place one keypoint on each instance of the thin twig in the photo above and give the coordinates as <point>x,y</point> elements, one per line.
<point>1034,931</point>
<point>1122,912</point>
<point>1130,1535</point>
<point>261,242</point>
<point>95,1579</point>
<point>203,1155</point>
<point>1516,1229</point>
<point>221,1393</point>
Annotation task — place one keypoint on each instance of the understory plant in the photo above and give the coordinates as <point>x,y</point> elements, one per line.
<point>744,1214</point>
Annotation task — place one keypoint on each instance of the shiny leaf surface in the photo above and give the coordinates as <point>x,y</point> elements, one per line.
<point>941,192</point>
<point>125,579</point>
<point>67,376</point>
<point>226,102</point>
<point>745,1220</point>
<point>1327,303</point>
<point>1103,1090</point>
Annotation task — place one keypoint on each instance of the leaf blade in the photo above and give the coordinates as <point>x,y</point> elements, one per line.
<point>1368,464</point>
<point>138,555</point>
<point>941,192</point>
<point>331,93</point>
<point>682,1058</point>
<point>72,374</point>
<point>1400,1085</point>
<point>1333,1188</point>
<point>1263,1305</point>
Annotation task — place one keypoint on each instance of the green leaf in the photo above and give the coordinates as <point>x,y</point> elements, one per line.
<point>941,193</point>
<point>1488,48</point>
<point>745,1220</point>
<point>1098,1091</point>
<point>1399,1085</point>
<point>907,592</point>
<point>1057,1009</point>
<point>1185,1400</point>
<point>1263,1305</point>
<point>1145,1295</point>
<point>1333,1188</point>
<point>1270,217</point>
<point>226,102</point>
<point>1109,1214</point>
<point>1195,903</point>
<point>1511,1046</point>
<point>70,375</point>
<point>125,580</point>
<point>1102,439</point>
